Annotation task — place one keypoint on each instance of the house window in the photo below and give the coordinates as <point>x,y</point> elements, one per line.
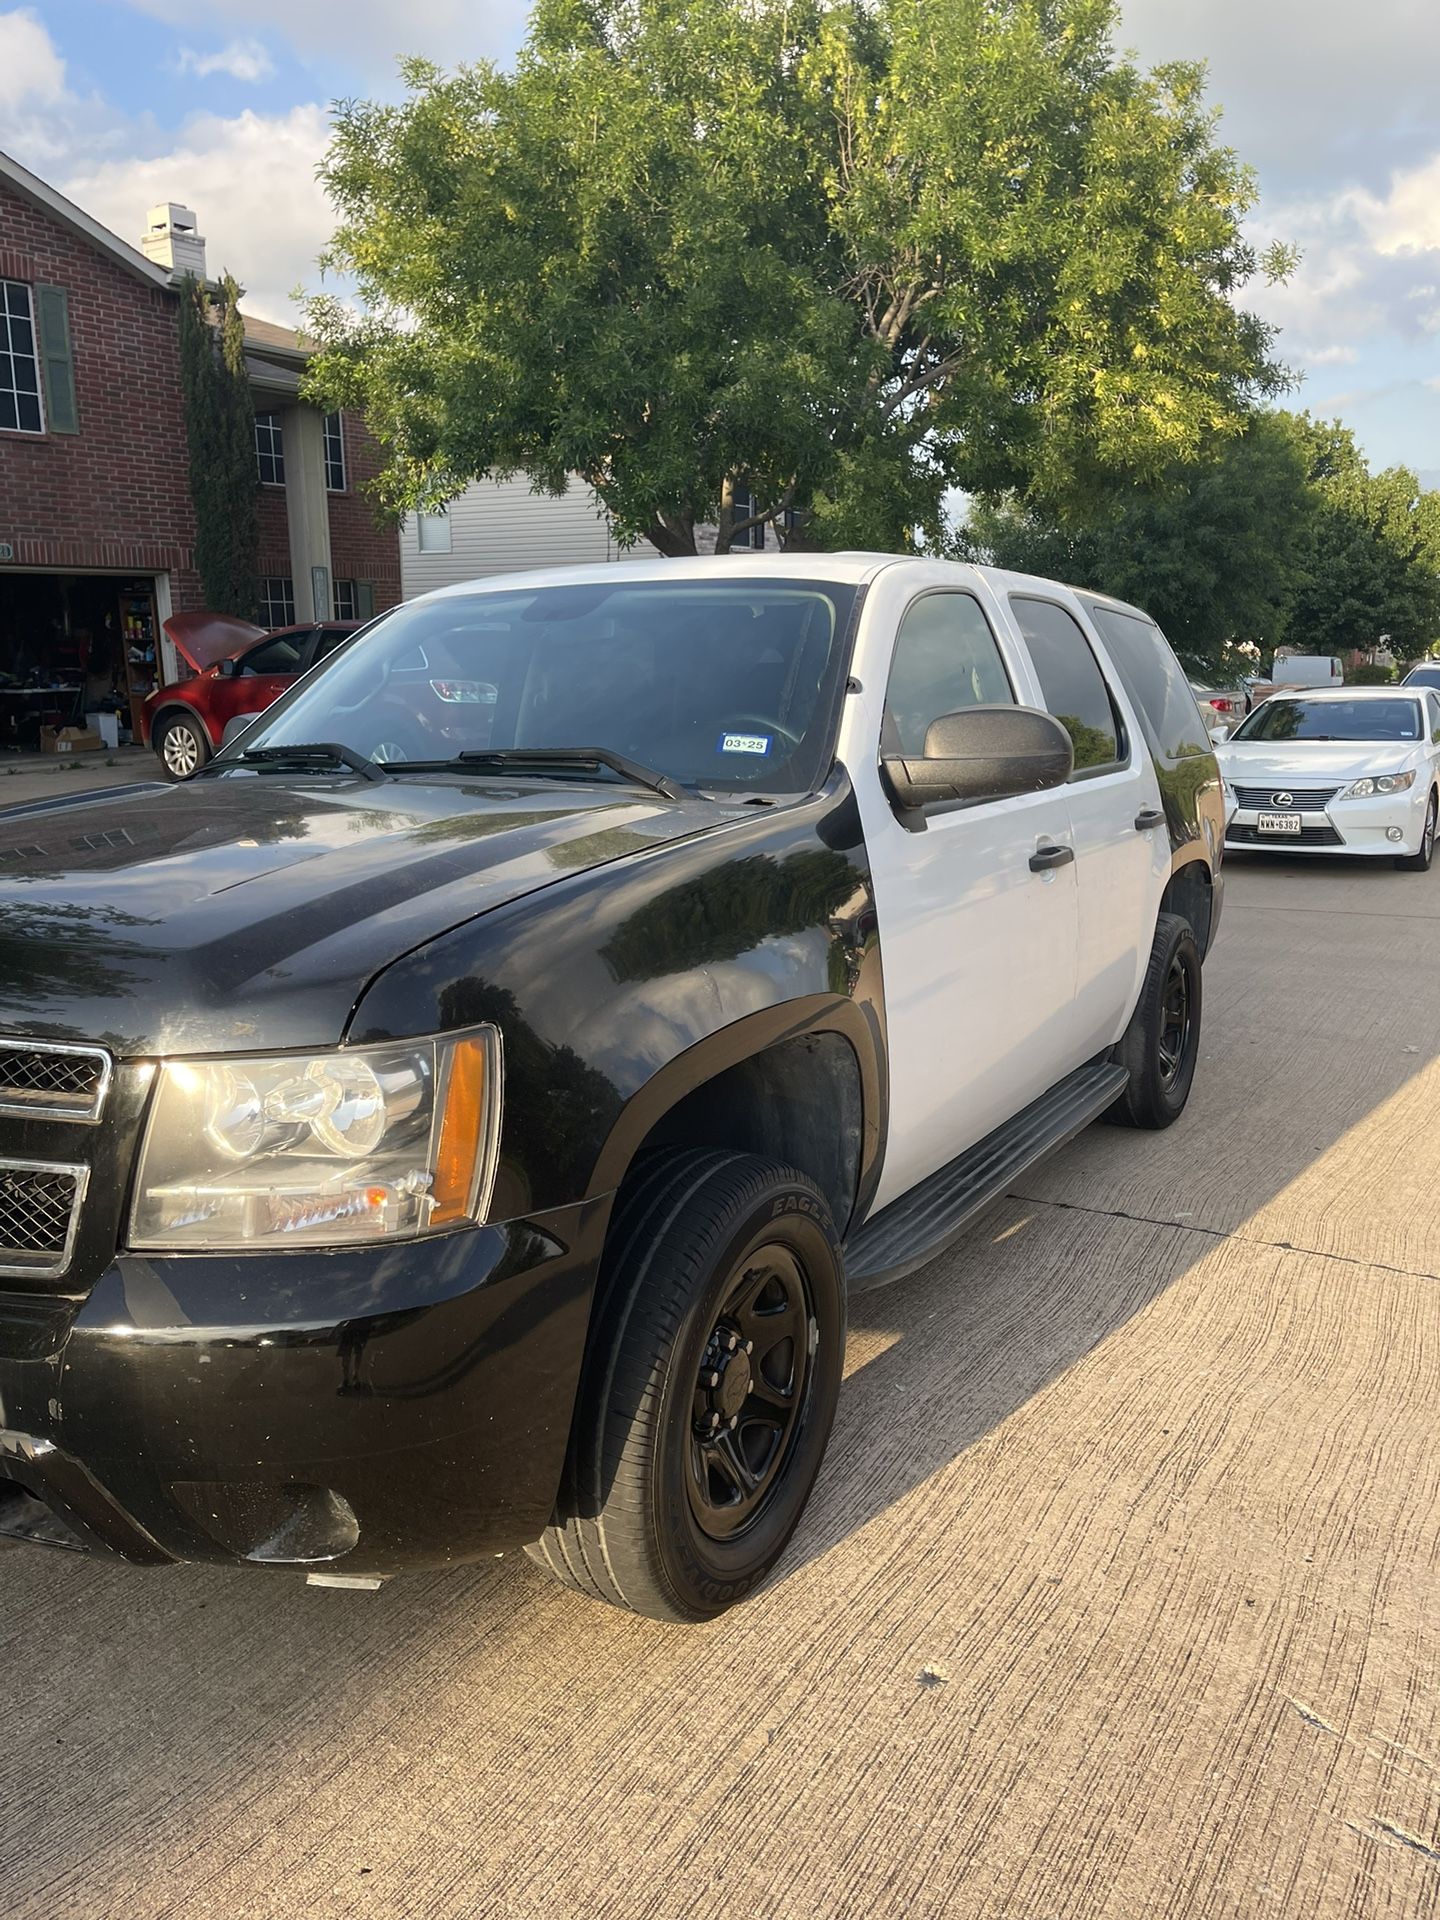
<point>334,455</point>
<point>277,601</point>
<point>269,450</point>
<point>743,504</point>
<point>345,600</point>
<point>20,409</point>
<point>433,531</point>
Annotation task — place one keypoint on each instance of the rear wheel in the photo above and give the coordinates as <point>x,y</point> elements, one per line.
<point>1420,862</point>
<point>182,748</point>
<point>709,1391</point>
<point>1163,1039</point>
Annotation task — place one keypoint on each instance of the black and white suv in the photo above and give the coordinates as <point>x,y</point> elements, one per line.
<point>451,1123</point>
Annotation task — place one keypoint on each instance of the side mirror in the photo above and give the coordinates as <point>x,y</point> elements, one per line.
<point>983,753</point>
<point>226,669</point>
<point>1218,736</point>
<point>234,728</point>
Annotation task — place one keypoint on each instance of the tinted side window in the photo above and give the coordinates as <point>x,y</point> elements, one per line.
<point>1432,701</point>
<point>1155,681</point>
<point>278,655</point>
<point>330,638</point>
<point>1073,685</point>
<point>945,659</point>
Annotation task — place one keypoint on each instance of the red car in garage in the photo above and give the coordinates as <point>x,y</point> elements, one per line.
<point>239,670</point>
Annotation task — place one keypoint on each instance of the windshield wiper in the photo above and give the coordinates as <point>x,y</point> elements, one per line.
<point>309,758</point>
<point>570,760</point>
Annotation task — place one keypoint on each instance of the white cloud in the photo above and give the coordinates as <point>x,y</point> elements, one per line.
<point>1367,269</point>
<point>1405,219</point>
<point>244,60</point>
<point>370,35</point>
<point>31,70</point>
<point>251,181</point>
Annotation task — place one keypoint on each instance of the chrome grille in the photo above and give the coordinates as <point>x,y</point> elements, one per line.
<point>1302,799</point>
<point>41,1078</point>
<point>39,1210</point>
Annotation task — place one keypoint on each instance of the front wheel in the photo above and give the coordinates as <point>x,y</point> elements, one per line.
<point>1419,862</point>
<point>709,1391</point>
<point>183,748</point>
<point>1162,1041</point>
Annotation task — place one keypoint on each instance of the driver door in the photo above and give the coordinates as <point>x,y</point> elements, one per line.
<point>262,673</point>
<point>978,947</point>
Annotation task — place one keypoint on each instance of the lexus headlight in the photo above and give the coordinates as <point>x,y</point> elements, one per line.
<point>1382,783</point>
<point>320,1150</point>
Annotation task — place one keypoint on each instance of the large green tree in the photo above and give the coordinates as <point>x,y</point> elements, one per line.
<point>220,433</point>
<point>1371,567</point>
<point>1280,536</point>
<point>1215,550</point>
<point>845,254</point>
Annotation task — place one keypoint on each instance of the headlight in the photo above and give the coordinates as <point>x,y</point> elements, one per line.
<point>320,1150</point>
<point>1382,783</point>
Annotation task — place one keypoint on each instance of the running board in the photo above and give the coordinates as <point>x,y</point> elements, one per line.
<point>922,1223</point>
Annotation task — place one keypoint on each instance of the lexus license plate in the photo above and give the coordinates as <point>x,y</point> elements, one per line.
<point>1278,823</point>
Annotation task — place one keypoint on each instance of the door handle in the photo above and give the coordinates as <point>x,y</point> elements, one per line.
<point>1149,817</point>
<point>1045,858</point>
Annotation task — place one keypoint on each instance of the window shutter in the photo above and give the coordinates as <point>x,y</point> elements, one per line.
<point>53,317</point>
<point>364,599</point>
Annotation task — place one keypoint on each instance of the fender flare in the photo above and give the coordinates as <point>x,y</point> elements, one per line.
<point>729,1046</point>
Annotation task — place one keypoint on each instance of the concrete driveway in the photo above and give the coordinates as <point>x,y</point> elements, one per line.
<point>1118,1599</point>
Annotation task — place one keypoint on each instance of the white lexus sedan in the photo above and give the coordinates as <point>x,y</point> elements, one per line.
<point>1353,770</point>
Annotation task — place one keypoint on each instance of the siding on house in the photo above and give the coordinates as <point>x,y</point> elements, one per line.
<point>500,526</point>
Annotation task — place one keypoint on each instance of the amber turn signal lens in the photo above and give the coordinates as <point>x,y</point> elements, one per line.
<point>461,1153</point>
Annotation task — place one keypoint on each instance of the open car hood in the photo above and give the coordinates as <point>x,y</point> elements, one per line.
<point>204,638</point>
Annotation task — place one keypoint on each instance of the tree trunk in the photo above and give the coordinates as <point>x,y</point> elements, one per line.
<point>671,535</point>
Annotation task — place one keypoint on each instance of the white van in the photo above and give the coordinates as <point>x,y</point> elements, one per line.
<point>1309,670</point>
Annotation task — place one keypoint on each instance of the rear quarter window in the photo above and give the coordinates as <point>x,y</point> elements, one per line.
<point>1074,688</point>
<point>1154,680</point>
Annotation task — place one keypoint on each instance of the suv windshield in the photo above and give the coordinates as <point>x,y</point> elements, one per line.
<point>728,684</point>
<point>1332,720</point>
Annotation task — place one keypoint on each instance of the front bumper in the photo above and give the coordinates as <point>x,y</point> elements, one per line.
<point>1346,826</point>
<point>395,1409</point>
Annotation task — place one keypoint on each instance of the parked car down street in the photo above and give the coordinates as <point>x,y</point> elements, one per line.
<point>1221,708</point>
<point>1425,675</point>
<point>1355,771</point>
<point>239,669</point>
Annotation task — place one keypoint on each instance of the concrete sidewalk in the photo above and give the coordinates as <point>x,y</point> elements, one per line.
<point>26,777</point>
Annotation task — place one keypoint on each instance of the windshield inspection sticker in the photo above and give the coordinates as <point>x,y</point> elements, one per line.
<point>744,743</point>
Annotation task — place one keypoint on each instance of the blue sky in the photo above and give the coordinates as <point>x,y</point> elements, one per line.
<point>223,104</point>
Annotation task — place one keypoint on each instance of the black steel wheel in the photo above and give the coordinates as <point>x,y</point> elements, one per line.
<point>1419,862</point>
<point>1173,1044</point>
<point>750,1392</point>
<point>1161,1043</point>
<point>710,1387</point>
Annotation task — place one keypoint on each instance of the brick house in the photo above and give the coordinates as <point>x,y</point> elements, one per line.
<point>96,523</point>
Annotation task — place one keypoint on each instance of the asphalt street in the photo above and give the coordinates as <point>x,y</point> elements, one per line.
<point>1118,1598</point>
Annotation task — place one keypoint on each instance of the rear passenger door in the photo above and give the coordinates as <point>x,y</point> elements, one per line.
<point>1122,853</point>
<point>977,947</point>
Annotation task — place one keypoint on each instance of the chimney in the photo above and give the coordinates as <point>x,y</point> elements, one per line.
<point>170,240</point>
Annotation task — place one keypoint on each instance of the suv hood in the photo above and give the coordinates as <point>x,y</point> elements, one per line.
<point>202,639</point>
<point>251,913</point>
<point>1316,763</point>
